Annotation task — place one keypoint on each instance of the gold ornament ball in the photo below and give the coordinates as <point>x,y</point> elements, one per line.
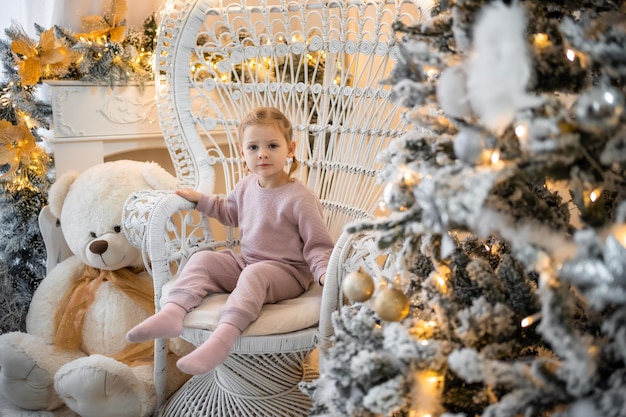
<point>391,305</point>
<point>358,286</point>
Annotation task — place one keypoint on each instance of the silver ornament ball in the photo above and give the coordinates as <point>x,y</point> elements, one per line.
<point>599,108</point>
<point>470,145</point>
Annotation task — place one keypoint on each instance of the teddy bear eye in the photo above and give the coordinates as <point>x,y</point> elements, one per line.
<point>93,234</point>
<point>117,229</point>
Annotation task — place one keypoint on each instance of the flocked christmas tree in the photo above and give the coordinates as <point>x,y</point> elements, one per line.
<point>24,180</point>
<point>505,290</point>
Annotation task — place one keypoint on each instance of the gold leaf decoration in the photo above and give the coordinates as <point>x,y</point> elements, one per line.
<point>16,145</point>
<point>37,58</point>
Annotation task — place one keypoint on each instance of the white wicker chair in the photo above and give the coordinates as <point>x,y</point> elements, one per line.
<point>321,63</point>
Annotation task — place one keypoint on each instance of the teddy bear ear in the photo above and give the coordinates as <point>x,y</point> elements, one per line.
<point>58,191</point>
<point>158,178</point>
<point>57,248</point>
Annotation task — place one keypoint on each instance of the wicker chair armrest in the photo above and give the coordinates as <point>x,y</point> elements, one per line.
<point>137,211</point>
<point>167,229</point>
<point>162,225</point>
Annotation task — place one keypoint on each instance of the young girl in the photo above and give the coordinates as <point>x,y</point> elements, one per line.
<point>284,245</point>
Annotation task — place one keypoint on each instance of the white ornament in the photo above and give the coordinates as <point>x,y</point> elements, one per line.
<point>499,66</point>
<point>452,93</point>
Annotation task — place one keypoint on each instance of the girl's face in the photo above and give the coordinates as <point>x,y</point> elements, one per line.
<point>265,150</point>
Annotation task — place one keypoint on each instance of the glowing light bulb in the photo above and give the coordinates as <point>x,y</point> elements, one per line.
<point>541,40</point>
<point>426,394</point>
<point>431,72</point>
<point>521,131</point>
<point>495,157</point>
<point>530,320</point>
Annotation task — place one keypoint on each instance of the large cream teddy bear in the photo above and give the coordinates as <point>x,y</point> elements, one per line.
<point>74,352</point>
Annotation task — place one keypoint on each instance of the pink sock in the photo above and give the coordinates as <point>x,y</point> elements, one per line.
<point>211,353</point>
<point>166,323</point>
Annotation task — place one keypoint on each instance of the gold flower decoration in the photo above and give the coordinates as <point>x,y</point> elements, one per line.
<point>37,59</point>
<point>106,28</point>
<point>16,145</point>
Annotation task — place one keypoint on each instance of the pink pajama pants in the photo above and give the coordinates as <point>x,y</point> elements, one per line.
<point>250,286</point>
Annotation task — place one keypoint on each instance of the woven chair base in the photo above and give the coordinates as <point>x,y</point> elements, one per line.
<point>247,386</point>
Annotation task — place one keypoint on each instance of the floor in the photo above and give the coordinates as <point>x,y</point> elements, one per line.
<point>9,410</point>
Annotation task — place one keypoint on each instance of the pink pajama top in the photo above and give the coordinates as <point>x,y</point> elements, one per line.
<point>283,224</point>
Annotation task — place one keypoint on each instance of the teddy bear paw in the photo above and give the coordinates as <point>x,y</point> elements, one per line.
<point>23,382</point>
<point>92,388</point>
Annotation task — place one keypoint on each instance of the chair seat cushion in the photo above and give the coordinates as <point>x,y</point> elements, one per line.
<point>282,317</point>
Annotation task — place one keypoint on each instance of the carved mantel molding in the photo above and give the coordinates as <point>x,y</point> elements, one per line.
<point>92,121</point>
<point>81,110</point>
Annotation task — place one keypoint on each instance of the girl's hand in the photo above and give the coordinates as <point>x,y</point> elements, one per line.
<point>322,279</point>
<point>189,194</point>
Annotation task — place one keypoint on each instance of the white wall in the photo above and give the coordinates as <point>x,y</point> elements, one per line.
<point>67,13</point>
<point>26,13</point>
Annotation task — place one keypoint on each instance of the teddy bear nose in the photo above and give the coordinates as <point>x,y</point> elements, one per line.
<point>98,246</point>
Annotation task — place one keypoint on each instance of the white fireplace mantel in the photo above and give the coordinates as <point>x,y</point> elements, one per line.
<point>91,122</point>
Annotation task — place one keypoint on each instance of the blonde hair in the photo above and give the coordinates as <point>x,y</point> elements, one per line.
<point>269,116</point>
